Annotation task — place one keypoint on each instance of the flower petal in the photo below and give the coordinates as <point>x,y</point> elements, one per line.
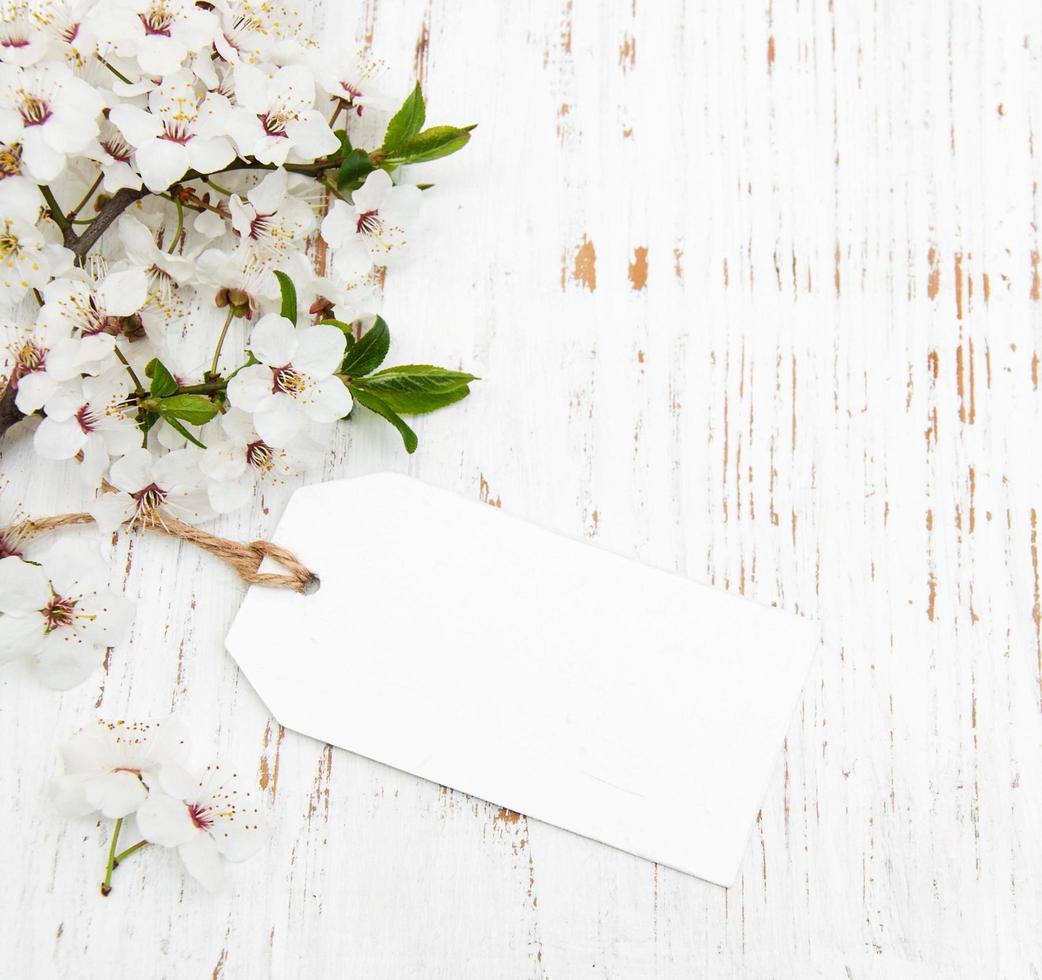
<point>177,470</point>
<point>72,570</point>
<point>112,615</point>
<point>24,587</point>
<point>278,420</point>
<point>137,126</point>
<point>250,387</point>
<point>320,349</point>
<point>165,820</point>
<point>274,340</point>
<point>123,293</point>
<point>203,862</point>
<point>338,226</point>
<point>20,636</point>
<point>132,471</point>
<point>229,495</point>
<point>161,162</point>
<point>55,439</point>
<point>115,794</point>
<point>208,155</point>
<point>329,400</point>
<point>110,510</point>
<point>269,194</point>
<point>174,780</point>
<point>370,196</point>
<point>63,662</point>
<point>34,390</point>
<point>69,797</point>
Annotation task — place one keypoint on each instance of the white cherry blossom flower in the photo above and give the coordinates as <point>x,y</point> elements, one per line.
<point>214,823</point>
<point>66,361</point>
<point>240,270</point>
<point>150,490</point>
<point>373,225</point>
<point>22,38</point>
<point>272,220</point>
<point>79,307</point>
<point>354,79</point>
<point>71,337</point>
<point>255,31</point>
<point>164,271</point>
<point>181,131</point>
<point>110,767</point>
<point>236,463</point>
<point>60,613</point>
<point>73,37</point>
<point>295,380</point>
<point>346,298</point>
<point>275,119</point>
<point>115,155</point>
<point>27,259</point>
<point>160,35</point>
<point>50,112</point>
<point>88,416</point>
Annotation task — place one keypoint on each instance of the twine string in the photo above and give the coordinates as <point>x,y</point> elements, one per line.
<point>245,558</point>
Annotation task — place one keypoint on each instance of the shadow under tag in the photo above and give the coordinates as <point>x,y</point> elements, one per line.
<point>544,675</point>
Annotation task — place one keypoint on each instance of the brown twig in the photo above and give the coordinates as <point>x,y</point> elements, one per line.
<point>9,413</point>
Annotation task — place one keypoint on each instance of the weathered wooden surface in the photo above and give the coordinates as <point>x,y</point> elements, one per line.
<point>756,291</point>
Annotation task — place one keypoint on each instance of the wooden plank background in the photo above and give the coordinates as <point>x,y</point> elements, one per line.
<point>756,291</point>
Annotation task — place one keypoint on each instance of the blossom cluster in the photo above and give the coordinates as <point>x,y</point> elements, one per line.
<point>198,350</point>
<point>198,205</point>
<point>120,770</point>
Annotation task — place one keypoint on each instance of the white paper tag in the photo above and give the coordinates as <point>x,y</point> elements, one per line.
<point>484,653</point>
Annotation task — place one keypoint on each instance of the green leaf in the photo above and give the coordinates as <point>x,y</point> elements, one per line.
<point>289,297</point>
<point>413,389</point>
<point>376,404</point>
<point>355,166</point>
<point>345,328</point>
<point>406,122</point>
<point>163,382</point>
<point>193,409</point>
<point>431,144</point>
<point>173,423</point>
<point>369,352</point>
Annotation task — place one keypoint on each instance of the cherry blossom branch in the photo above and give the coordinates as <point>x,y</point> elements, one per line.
<point>81,244</point>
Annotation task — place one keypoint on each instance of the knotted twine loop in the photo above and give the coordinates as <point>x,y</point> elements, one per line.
<point>245,558</point>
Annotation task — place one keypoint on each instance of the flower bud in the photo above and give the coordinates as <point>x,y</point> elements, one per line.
<point>322,307</point>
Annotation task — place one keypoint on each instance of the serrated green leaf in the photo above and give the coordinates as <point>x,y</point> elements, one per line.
<point>355,166</point>
<point>431,144</point>
<point>289,297</point>
<point>163,382</point>
<point>174,424</point>
<point>376,404</point>
<point>414,389</point>
<point>369,352</point>
<point>406,122</point>
<point>193,409</point>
